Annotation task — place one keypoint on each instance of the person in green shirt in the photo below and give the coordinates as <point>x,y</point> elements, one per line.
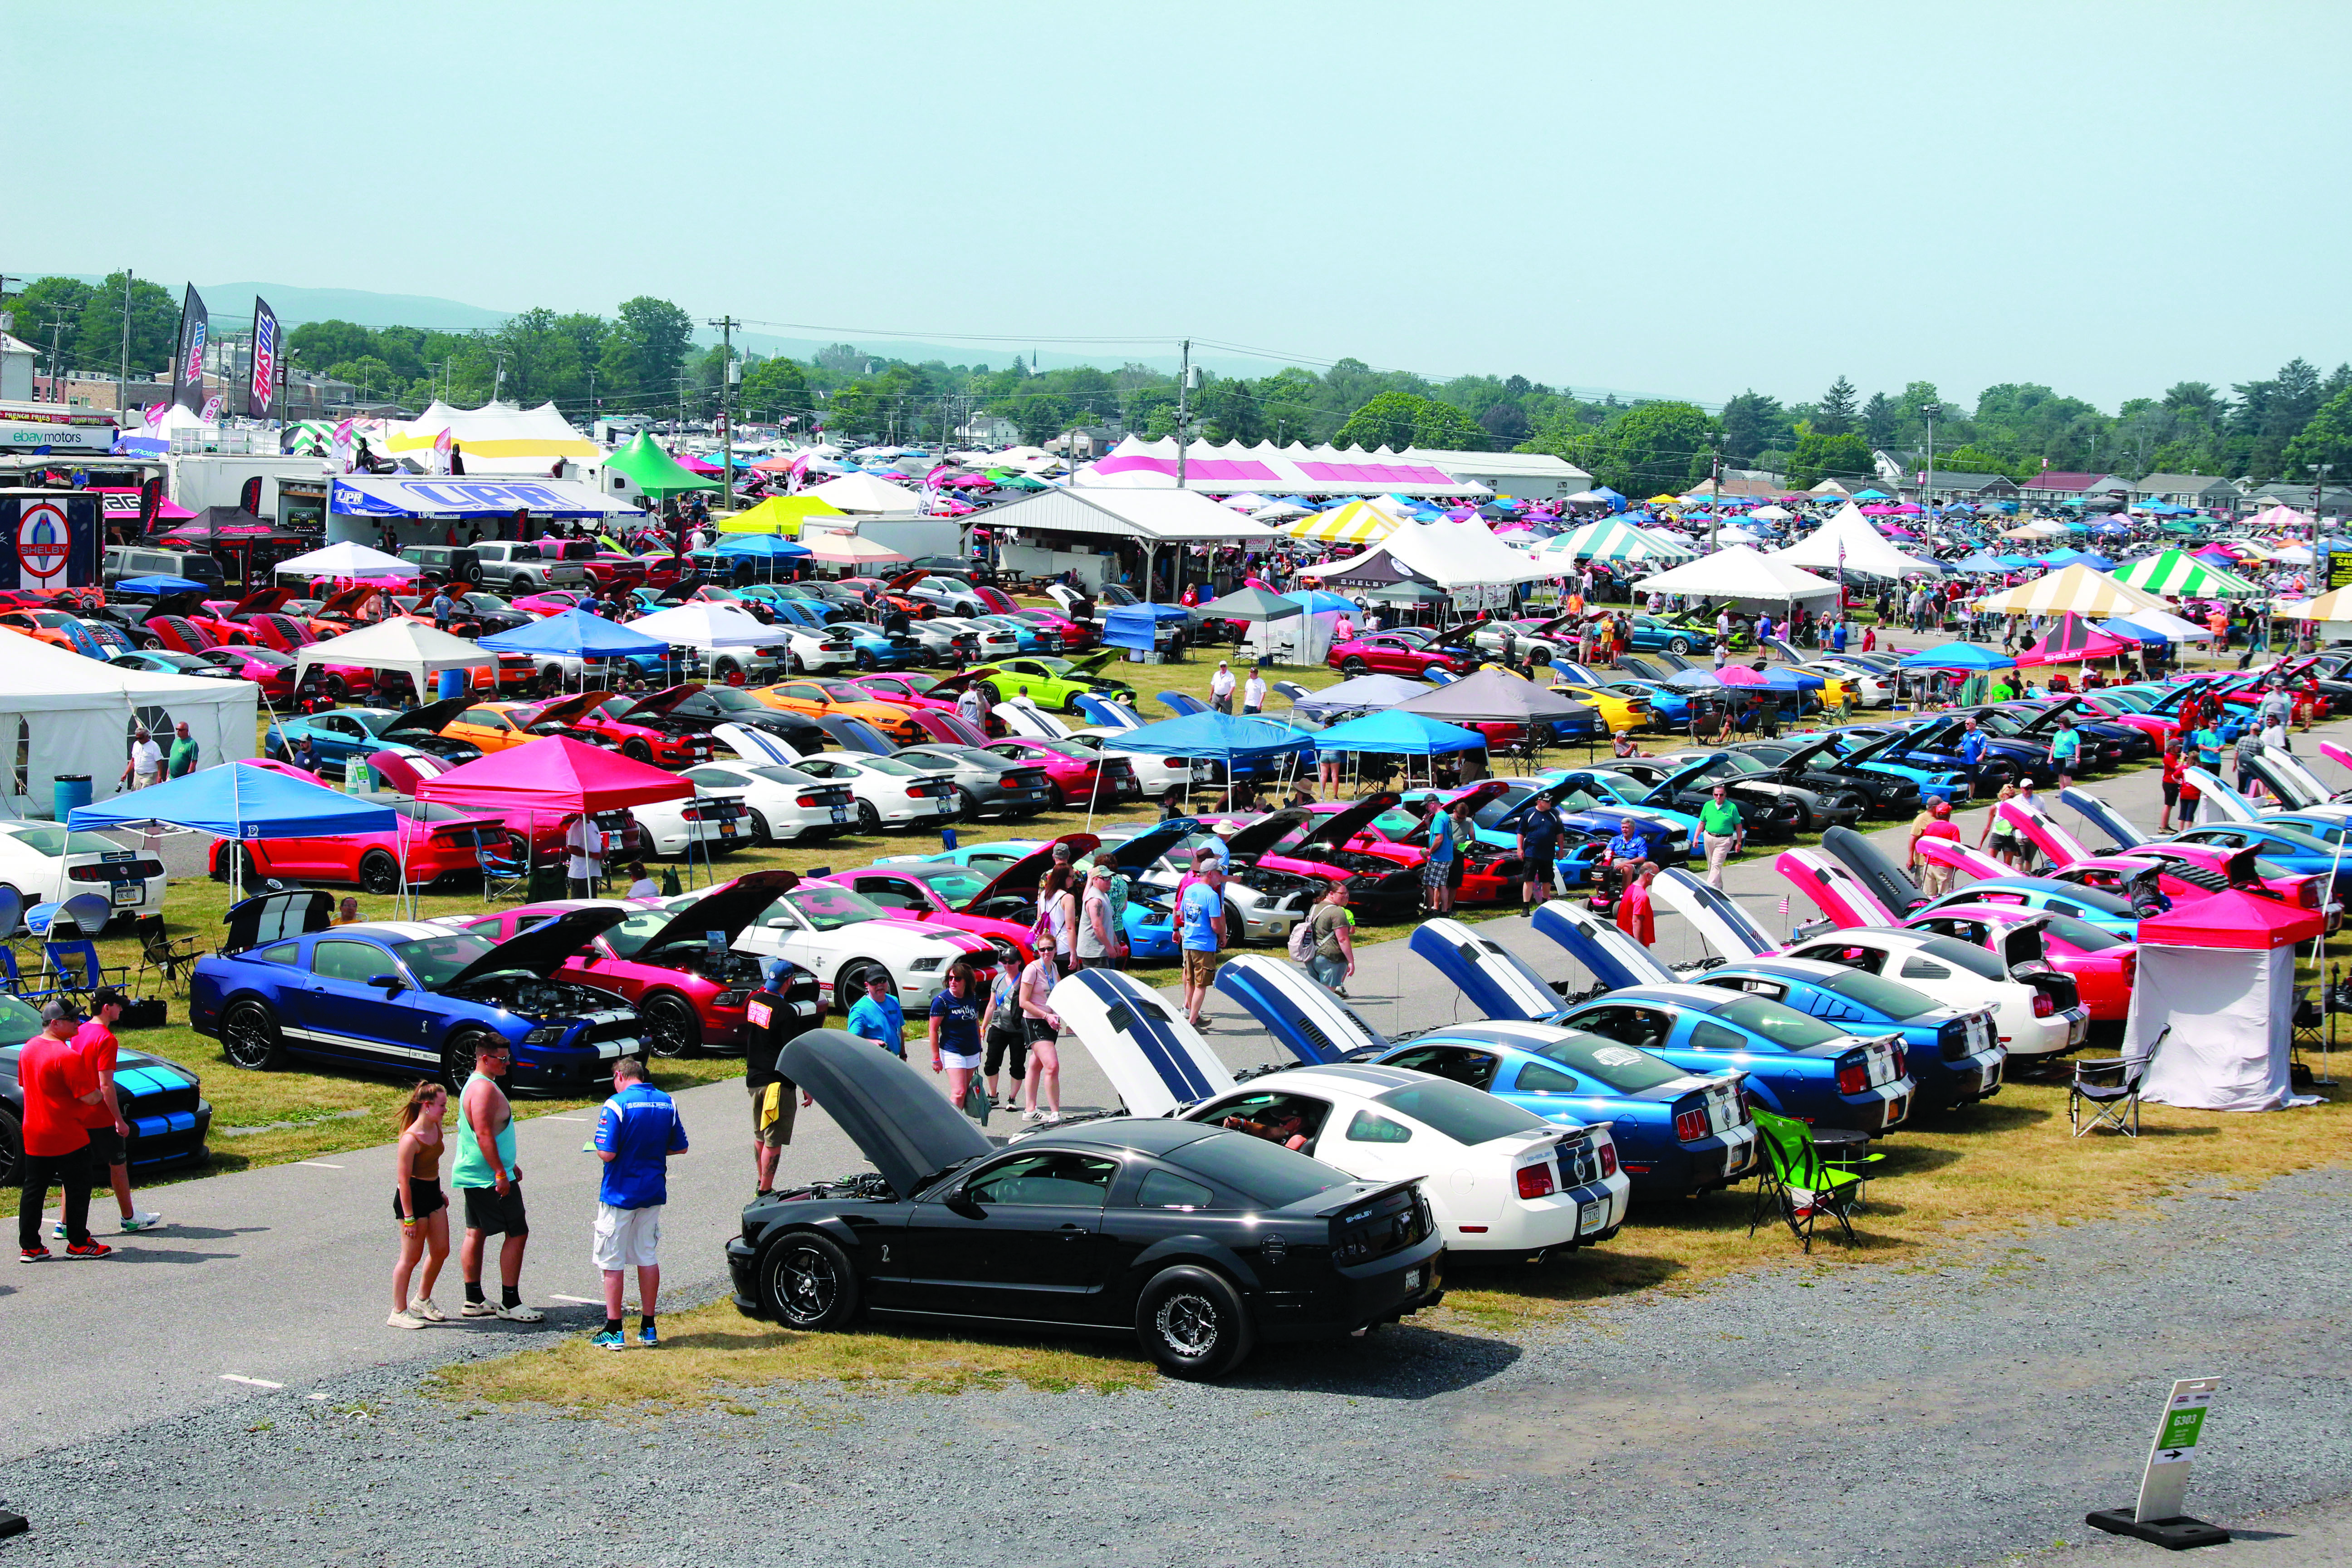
<point>182,759</point>
<point>2002,691</point>
<point>1719,825</point>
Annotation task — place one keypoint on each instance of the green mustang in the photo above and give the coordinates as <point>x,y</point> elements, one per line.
<point>1051,682</point>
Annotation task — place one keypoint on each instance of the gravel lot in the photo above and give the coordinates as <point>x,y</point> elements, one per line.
<point>1923,1415</point>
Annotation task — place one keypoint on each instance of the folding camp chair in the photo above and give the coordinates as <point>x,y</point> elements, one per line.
<point>506,870</point>
<point>13,981</point>
<point>1794,1180</point>
<point>2109,1086</point>
<point>72,969</point>
<point>172,957</point>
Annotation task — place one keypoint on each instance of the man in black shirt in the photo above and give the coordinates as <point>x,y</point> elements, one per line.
<point>1538,843</point>
<point>766,1011</point>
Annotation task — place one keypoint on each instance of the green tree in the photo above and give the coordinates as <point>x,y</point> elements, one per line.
<point>155,326</point>
<point>1836,415</point>
<point>1845,455</point>
<point>1229,411</point>
<point>1749,421</point>
<point>402,348</point>
<point>332,342</point>
<point>375,379</point>
<point>50,311</point>
<point>1881,419</point>
<point>1041,416</point>
<point>1400,419</point>
<point>1970,459</point>
<point>644,355</point>
<point>2325,437</point>
<point>1656,447</point>
<point>540,361</point>
<point>773,388</point>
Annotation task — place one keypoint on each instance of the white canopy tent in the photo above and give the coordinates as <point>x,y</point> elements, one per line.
<point>1448,553</point>
<point>346,558</point>
<point>865,494</point>
<point>706,626</point>
<point>62,714</point>
<point>1742,571</point>
<point>1848,539</point>
<point>1268,470</point>
<point>413,647</point>
<point>496,438</point>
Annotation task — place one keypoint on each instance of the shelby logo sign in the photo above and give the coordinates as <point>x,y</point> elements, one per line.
<point>52,537</point>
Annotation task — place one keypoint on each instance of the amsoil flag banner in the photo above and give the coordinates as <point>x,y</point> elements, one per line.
<point>188,360</point>
<point>262,393</point>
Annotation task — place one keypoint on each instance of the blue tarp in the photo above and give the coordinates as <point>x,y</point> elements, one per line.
<point>1133,625</point>
<point>230,801</point>
<point>574,634</point>
<point>1957,655</point>
<point>1408,734</point>
<point>2127,631</point>
<point>159,586</point>
<point>1980,562</point>
<point>1315,601</point>
<point>1219,735</point>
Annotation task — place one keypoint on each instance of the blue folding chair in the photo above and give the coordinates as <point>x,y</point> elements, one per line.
<point>71,967</point>
<point>16,983</point>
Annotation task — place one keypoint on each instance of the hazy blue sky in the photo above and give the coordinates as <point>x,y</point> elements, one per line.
<point>1683,199</point>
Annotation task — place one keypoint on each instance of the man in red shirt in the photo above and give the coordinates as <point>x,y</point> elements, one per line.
<point>1635,917</point>
<point>56,1086</point>
<point>109,1132</point>
<point>1934,876</point>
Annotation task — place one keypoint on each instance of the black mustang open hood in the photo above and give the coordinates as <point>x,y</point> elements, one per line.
<point>427,720</point>
<point>1144,850</point>
<point>542,947</point>
<point>1257,837</point>
<point>1874,868</point>
<point>661,701</point>
<point>274,916</point>
<point>1023,876</point>
<point>1342,825</point>
<point>889,1111</point>
<point>731,910</point>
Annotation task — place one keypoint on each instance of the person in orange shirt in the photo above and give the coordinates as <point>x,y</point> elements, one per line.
<point>1635,916</point>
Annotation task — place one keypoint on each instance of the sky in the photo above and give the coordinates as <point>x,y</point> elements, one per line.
<point>1666,199</point>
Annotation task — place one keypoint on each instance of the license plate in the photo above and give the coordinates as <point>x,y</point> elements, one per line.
<point>841,814</point>
<point>938,805</point>
<point>1591,1218</point>
<point>1736,1159</point>
<point>726,830</point>
<point>1411,1280</point>
<point>128,893</point>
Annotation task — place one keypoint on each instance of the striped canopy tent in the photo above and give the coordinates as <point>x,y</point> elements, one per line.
<point>1358,522</point>
<point>2070,640</point>
<point>2074,589</point>
<point>1612,539</point>
<point>2182,574</point>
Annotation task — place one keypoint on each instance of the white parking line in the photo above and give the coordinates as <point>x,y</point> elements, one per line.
<point>317,1164</point>
<point>579,1118</point>
<point>255,1382</point>
<point>583,1300</point>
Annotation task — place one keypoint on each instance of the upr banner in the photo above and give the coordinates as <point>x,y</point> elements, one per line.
<point>48,539</point>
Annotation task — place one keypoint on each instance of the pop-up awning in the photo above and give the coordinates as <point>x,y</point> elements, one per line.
<point>378,495</point>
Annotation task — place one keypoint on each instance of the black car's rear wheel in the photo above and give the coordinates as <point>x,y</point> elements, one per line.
<point>379,873</point>
<point>250,1039</point>
<point>671,1028</point>
<point>457,1059</point>
<point>11,1147</point>
<point>806,1283</point>
<point>1192,1322</point>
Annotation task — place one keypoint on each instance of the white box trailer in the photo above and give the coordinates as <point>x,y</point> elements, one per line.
<point>199,479</point>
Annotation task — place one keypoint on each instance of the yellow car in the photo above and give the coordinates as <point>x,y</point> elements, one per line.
<point>1619,712</point>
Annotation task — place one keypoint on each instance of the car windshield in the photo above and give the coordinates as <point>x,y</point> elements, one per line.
<point>638,929</point>
<point>1784,1027</point>
<point>2081,936</point>
<point>48,840</point>
<point>1053,665</point>
<point>18,1022</point>
<point>1735,762</point>
<point>1881,995</point>
<point>419,810</point>
<point>926,761</point>
<point>1621,1068</point>
<point>436,960</point>
<point>489,604</point>
<point>1264,1173</point>
<point>892,766</point>
<point>956,884</point>
<point>1494,810</point>
<point>1975,959</point>
<point>790,778</point>
<point>830,908</point>
<point>917,684</point>
<point>727,699</point>
<point>1464,1114</point>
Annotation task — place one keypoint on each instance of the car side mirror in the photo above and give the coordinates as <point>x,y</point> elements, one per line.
<point>961,1201</point>
<point>392,985</point>
<point>775,924</point>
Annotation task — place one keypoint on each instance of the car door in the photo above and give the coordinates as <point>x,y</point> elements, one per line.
<point>897,894</point>
<point>340,1013</point>
<point>1018,1237</point>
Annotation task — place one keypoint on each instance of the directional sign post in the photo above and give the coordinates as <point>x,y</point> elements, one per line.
<point>2165,1480</point>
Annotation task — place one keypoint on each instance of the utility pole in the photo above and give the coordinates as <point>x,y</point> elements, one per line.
<point>1715,473</point>
<point>2318,484</point>
<point>499,382</point>
<point>1183,385</point>
<point>1928,474</point>
<point>727,325</point>
<point>57,370</point>
<point>122,367</point>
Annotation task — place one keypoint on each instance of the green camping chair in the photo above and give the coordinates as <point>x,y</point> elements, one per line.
<point>1795,1179</point>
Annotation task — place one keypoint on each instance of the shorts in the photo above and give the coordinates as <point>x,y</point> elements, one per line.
<point>1040,1033</point>
<point>2171,792</point>
<point>779,1132</point>
<point>424,1198</point>
<point>627,1238</point>
<point>1003,1047</point>
<point>491,1215</point>
<point>2003,843</point>
<point>1436,874</point>
<point>1538,868</point>
<point>106,1148</point>
<point>1458,865</point>
<point>1101,961</point>
<point>967,1064</point>
<point>1199,968</point>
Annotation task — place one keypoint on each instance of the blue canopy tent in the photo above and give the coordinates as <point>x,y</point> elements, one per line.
<point>1137,625</point>
<point>159,586</point>
<point>1982,562</point>
<point>1317,601</point>
<point>767,546</point>
<point>1956,656</point>
<point>576,634</point>
<point>1397,734</point>
<point>1241,744</point>
<point>237,802</point>
<point>2128,631</point>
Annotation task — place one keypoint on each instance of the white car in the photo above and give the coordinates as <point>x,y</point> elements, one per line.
<point>714,820</point>
<point>2035,1010</point>
<point>988,643</point>
<point>888,792</point>
<point>42,863</point>
<point>787,805</point>
<point>841,936</point>
<point>1870,688</point>
<point>808,649</point>
<point>953,595</point>
<point>1499,1179</point>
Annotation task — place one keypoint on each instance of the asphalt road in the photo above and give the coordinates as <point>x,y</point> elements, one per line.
<point>265,1291</point>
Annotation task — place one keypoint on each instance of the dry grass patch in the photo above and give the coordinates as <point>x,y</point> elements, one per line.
<point>714,1356</point>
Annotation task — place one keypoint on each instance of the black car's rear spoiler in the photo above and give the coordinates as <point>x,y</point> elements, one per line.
<point>1375,1195</point>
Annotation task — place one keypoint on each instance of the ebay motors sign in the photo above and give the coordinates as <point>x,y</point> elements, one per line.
<point>50,539</point>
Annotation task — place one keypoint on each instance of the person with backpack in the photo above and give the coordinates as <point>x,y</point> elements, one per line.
<point>1325,941</point>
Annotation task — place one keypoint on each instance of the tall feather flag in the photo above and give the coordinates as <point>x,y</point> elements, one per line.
<point>342,455</point>
<point>261,390</point>
<point>441,445</point>
<point>188,358</point>
<point>798,470</point>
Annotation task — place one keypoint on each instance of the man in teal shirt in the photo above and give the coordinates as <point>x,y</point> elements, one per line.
<point>1719,825</point>
<point>878,1017</point>
<point>182,761</point>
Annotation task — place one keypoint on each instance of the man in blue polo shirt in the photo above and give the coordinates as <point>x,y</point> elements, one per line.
<point>878,1017</point>
<point>636,1133</point>
<point>1972,749</point>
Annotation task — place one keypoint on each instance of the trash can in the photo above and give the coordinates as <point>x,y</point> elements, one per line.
<point>67,791</point>
<point>548,880</point>
<point>453,684</point>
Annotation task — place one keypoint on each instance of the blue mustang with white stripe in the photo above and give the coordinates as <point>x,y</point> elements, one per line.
<point>418,998</point>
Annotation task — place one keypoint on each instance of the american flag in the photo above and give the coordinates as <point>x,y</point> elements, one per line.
<point>1784,904</point>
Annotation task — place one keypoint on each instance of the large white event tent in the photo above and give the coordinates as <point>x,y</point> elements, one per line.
<point>1268,470</point>
<point>1741,572</point>
<point>864,494</point>
<point>496,438</point>
<point>1847,539</point>
<point>1458,557</point>
<point>706,626</point>
<point>412,647</point>
<point>62,714</point>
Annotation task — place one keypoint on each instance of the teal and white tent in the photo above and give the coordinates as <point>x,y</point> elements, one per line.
<point>1612,539</point>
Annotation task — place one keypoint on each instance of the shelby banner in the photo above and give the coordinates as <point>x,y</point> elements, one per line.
<point>188,361</point>
<point>263,389</point>
<point>48,539</point>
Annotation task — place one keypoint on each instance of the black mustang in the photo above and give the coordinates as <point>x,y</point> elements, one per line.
<point>1197,1240</point>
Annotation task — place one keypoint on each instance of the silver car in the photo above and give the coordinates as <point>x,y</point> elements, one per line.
<point>984,782</point>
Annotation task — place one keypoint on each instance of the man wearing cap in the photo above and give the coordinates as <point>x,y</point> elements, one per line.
<point>1936,822</point>
<point>1102,941</point>
<point>1201,920</point>
<point>1254,692</point>
<point>58,1090</point>
<point>109,1132</point>
<point>1221,688</point>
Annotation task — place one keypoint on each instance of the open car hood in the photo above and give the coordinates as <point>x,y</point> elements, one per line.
<point>1109,713</point>
<point>1144,850</point>
<point>894,1115</point>
<point>1874,868</point>
<point>1607,955</point>
<point>427,720</point>
<point>952,729</point>
<point>1833,889</point>
<point>2110,823</point>
<point>756,745</point>
<point>1026,719</point>
<point>543,947</point>
<point>1253,838</point>
<point>564,710</point>
<point>1714,914</point>
<point>2062,846</point>
<point>662,701</point>
<point>1157,1061</point>
<point>730,909</point>
<point>260,602</point>
<point>1339,826</point>
<point>1308,1021</point>
<point>1962,857</point>
<point>2286,778</point>
<point>1497,982</point>
<point>855,735</point>
<point>1094,663</point>
<point>1023,876</point>
<point>273,917</point>
<point>2223,798</point>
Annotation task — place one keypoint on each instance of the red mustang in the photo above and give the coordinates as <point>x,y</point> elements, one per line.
<point>1389,653</point>
<point>290,633</point>
<point>1073,774</point>
<point>435,842</point>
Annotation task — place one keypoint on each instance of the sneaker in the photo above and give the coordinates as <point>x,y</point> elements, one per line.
<point>478,1310</point>
<point>522,1314</point>
<point>647,1337</point>
<point>406,1319</point>
<point>57,1229</point>
<point>608,1338</point>
<point>34,1255</point>
<point>1030,1115</point>
<point>139,1219</point>
<point>90,1249</point>
<point>424,1308</point>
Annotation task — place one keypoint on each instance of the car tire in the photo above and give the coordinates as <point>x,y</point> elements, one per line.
<point>1192,1322</point>
<point>457,1059</point>
<point>727,672</point>
<point>794,665</point>
<point>638,752</point>
<point>1678,645</point>
<point>234,859</point>
<point>379,873</point>
<point>12,1146</point>
<point>967,804</point>
<point>1056,797</point>
<point>869,819</point>
<point>1072,706</point>
<point>672,1029</point>
<point>1236,930</point>
<point>760,828</point>
<point>1353,666</point>
<point>866,660</point>
<point>993,692</point>
<point>333,687</point>
<point>250,1039</point>
<point>806,1283</point>
<point>850,983</point>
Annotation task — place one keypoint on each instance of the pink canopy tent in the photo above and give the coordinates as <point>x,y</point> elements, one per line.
<point>553,775</point>
<point>694,465</point>
<point>2216,986</point>
<point>123,500</point>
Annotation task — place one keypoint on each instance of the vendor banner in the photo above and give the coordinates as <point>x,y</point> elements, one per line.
<point>188,360</point>
<point>382,496</point>
<point>261,391</point>
<point>48,539</point>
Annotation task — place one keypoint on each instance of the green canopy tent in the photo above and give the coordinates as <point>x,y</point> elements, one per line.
<point>655,471</point>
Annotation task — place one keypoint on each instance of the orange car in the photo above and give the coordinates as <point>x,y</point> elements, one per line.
<point>840,699</point>
<point>502,726</point>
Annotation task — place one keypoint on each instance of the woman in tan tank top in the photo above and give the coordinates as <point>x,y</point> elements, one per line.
<point>420,1205</point>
